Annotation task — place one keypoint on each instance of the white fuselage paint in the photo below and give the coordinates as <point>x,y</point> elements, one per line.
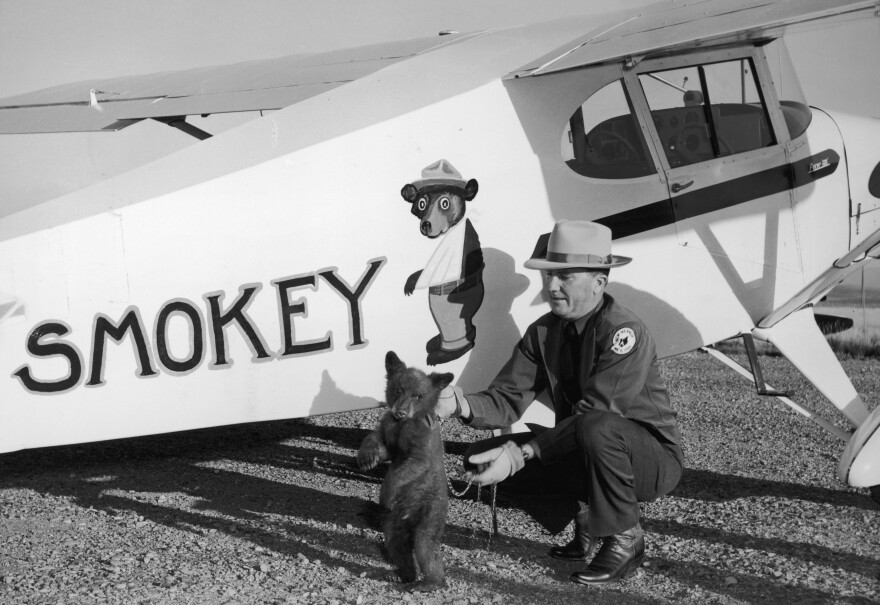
<point>278,204</point>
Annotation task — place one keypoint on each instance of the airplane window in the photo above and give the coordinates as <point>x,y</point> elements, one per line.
<point>707,111</point>
<point>603,140</point>
<point>795,111</point>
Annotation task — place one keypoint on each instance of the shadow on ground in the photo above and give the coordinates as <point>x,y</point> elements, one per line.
<point>273,512</point>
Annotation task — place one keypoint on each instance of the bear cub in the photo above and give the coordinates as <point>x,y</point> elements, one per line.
<point>413,496</point>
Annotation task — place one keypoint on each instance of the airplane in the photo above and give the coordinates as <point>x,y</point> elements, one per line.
<point>386,197</point>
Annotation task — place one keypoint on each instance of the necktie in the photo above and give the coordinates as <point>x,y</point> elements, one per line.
<point>570,364</point>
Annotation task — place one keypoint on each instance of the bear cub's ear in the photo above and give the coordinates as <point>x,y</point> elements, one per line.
<point>441,381</point>
<point>409,193</point>
<point>393,365</point>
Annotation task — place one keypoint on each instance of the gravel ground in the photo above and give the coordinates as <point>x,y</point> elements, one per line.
<point>278,513</point>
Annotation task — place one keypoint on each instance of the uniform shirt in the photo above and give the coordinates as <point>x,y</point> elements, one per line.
<point>619,373</point>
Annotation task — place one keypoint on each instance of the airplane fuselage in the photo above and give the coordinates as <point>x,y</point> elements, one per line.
<point>261,274</point>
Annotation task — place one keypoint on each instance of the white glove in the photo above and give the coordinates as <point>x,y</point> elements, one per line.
<point>496,464</point>
<point>451,402</point>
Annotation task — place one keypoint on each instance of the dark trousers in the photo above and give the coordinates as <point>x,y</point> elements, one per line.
<point>614,464</point>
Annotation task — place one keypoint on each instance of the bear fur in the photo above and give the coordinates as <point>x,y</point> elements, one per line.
<point>413,497</point>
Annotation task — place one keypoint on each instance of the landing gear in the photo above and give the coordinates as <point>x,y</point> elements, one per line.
<point>875,493</point>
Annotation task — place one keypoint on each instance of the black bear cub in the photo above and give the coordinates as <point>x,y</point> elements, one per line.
<point>413,495</point>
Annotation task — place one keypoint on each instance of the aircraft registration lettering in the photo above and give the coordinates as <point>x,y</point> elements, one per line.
<point>816,166</point>
<point>47,339</point>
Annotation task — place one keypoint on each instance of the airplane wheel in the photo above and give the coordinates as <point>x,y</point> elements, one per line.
<point>875,493</point>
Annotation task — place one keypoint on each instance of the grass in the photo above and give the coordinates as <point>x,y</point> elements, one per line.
<point>857,344</point>
<point>863,339</point>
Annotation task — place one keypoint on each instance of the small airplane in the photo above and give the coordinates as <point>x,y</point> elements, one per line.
<point>387,196</point>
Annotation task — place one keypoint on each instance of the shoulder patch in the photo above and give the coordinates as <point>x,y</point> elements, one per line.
<point>623,341</point>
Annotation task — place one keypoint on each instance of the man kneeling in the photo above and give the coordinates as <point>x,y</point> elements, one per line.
<point>616,441</point>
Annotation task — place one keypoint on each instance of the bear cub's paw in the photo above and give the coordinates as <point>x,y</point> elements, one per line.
<point>371,453</point>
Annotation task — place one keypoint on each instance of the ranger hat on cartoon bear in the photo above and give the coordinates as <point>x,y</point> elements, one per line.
<point>454,273</point>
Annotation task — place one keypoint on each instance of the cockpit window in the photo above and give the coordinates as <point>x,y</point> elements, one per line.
<point>795,110</point>
<point>603,140</point>
<point>707,111</point>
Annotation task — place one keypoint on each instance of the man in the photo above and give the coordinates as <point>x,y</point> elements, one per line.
<point>616,441</point>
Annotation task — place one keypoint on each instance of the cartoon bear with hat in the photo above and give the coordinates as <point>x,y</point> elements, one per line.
<point>454,274</point>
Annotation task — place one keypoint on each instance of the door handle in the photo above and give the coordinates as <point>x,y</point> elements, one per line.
<point>676,187</point>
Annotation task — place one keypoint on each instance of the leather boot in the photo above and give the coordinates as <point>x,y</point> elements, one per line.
<point>581,547</point>
<point>620,555</point>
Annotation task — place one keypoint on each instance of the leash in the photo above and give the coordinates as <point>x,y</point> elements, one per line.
<point>493,508</point>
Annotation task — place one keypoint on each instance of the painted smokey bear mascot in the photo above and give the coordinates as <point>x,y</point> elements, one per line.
<point>454,274</point>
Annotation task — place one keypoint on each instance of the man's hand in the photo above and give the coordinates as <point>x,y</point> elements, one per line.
<point>496,464</point>
<point>450,402</point>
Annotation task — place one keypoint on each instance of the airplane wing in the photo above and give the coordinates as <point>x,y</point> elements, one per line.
<point>681,24</point>
<point>112,104</point>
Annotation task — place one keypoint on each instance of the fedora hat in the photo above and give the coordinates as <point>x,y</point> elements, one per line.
<point>575,244</point>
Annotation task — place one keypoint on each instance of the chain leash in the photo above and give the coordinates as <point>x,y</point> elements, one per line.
<point>466,487</point>
<point>494,510</point>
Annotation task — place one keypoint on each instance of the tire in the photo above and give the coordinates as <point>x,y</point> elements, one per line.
<point>875,493</point>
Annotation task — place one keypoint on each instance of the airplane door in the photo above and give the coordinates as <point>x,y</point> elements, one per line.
<point>715,130</point>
